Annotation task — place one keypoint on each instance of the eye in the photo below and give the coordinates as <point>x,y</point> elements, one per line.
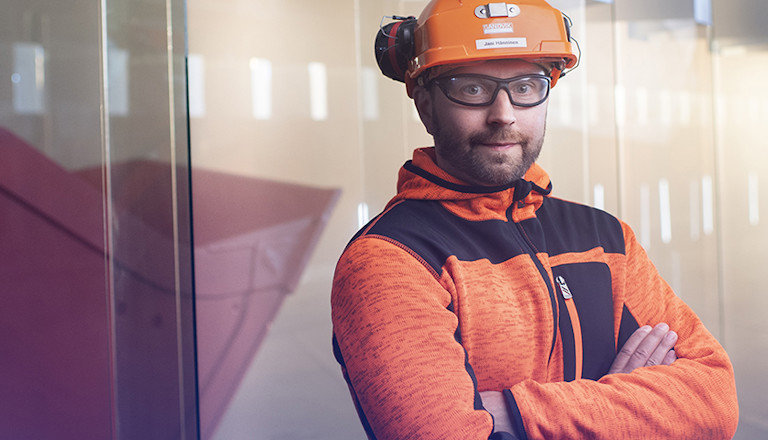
<point>523,88</point>
<point>472,90</point>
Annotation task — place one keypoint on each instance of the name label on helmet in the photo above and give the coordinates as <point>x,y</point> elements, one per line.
<point>501,43</point>
<point>498,28</point>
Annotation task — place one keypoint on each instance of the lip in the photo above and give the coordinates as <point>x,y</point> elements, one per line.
<point>500,145</point>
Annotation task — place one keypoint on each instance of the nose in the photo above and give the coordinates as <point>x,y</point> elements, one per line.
<point>501,111</point>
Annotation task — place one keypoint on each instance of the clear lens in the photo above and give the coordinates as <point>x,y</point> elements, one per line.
<point>480,90</point>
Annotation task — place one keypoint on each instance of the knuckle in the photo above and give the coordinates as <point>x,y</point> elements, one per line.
<point>641,353</point>
<point>626,352</point>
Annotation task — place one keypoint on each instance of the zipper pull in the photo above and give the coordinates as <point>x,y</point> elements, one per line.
<point>564,287</point>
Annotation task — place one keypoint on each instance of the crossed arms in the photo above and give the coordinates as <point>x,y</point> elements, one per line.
<point>647,347</point>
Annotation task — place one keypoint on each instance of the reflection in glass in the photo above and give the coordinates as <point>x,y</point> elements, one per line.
<point>261,88</point>
<point>28,78</point>
<point>318,91</point>
<point>196,85</point>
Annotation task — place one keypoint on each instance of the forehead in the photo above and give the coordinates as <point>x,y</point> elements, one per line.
<point>500,68</point>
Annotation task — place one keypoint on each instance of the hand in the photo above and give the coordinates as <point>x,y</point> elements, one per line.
<point>494,403</point>
<point>646,347</point>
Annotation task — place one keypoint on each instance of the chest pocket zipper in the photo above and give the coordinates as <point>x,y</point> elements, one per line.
<point>575,323</point>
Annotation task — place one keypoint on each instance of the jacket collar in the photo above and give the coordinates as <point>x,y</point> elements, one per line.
<point>422,179</point>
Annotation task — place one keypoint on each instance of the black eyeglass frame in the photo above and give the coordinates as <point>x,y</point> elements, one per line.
<point>501,84</point>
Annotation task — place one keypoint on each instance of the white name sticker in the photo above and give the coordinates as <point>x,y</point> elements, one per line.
<point>498,28</point>
<point>500,43</point>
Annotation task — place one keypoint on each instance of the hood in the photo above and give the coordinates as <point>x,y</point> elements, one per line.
<point>422,179</point>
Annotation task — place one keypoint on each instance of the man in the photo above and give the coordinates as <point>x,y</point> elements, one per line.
<point>477,305</point>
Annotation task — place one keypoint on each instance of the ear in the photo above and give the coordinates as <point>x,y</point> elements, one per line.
<point>422,98</point>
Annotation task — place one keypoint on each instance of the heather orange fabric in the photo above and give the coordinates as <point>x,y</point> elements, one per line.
<point>451,291</point>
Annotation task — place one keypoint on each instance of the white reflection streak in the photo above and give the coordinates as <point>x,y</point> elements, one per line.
<point>593,104</point>
<point>28,78</point>
<point>695,208</point>
<point>318,91</point>
<point>707,205</point>
<point>370,94</point>
<point>362,215</point>
<point>261,88</point>
<point>665,107</point>
<point>645,216</point>
<point>665,211</point>
<point>641,94</point>
<point>564,103</point>
<point>754,109</point>
<point>753,198</point>
<point>599,196</point>
<point>621,105</point>
<point>685,107</point>
<point>196,81</point>
<point>118,61</point>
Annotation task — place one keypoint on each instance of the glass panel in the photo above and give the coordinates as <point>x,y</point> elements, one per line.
<point>148,210</point>
<point>96,258</point>
<point>741,109</point>
<point>55,344</point>
<point>275,138</point>
<point>666,146</point>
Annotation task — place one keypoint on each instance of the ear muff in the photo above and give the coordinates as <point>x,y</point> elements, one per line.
<point>393,47</point>
<point>560,71</point>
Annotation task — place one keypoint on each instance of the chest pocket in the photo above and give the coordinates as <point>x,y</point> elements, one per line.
<point>585,298</point>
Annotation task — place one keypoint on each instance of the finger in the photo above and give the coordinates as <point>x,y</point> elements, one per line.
<point>665,345</point>
<point>669,358</point>
<point>628,349</point>
<point>647,347</point>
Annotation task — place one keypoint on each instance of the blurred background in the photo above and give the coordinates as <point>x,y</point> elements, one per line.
<point>178,179</point>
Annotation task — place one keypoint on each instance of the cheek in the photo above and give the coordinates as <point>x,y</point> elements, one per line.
<point>533,123</point>
<point>457,123</point>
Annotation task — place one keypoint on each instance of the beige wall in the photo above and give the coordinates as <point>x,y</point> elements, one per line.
<point>655,126</point>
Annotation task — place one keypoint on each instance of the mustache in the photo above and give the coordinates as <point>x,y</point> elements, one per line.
<point>500,136</point>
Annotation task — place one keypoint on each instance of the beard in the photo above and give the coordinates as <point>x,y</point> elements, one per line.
<point>465,157</point>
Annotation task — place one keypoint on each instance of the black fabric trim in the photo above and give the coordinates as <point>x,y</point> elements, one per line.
<point>522,187</point>
<point>591,287</point>
<point>360,414</point>
<point>478,402</point>
<point>434,233</point>
<point>514,415</point>
<point>502,436</point>
<point>572,227</point>
<point>569,343</point>
<point>627,326</point>
<point>454,186</point>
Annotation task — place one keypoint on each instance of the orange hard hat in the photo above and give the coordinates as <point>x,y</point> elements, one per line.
<point>463,31</point>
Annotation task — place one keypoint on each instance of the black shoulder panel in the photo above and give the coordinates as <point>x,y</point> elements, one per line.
<point>435,234</point>
<point>571,227</point>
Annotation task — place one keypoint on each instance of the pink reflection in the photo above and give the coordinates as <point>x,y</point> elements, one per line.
<point>253,238</point>
<point>54,348</point>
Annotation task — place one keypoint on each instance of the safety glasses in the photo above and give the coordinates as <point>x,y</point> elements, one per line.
<point>481,90</point>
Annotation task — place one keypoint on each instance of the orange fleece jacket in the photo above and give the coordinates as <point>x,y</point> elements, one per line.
<point>454,290</point>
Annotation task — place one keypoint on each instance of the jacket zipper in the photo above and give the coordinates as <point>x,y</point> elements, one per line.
<point>531,250</point>
<point>575,323</point>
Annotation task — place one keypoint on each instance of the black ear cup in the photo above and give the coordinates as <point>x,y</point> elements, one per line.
<point>393,47</point>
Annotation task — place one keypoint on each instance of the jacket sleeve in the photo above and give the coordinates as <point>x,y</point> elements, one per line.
<point>694,398</point>
<point>396,336</point>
